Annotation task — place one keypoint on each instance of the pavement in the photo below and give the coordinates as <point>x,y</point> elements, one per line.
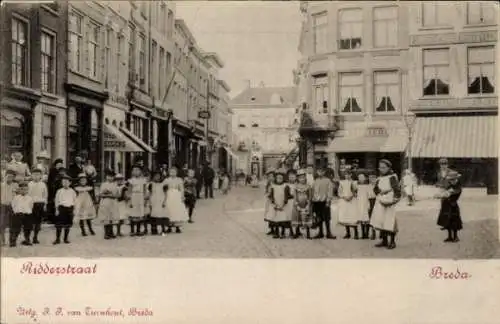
<point>232,226</point>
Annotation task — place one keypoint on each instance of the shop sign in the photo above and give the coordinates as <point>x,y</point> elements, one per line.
<point>456,103</point>
<point>376,132</point>
<point>118,99</point>
<point>204,114</point>
<point>112,142</point>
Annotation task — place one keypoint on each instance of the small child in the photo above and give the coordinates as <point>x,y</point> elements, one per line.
<point>363,205</point>
<point>291,182</point>
<point>37,190</point>
<point>372,197</point>
<point>190,193</point>
<point>156,197</point>
<point>108,205</point>
<point>224,187</point>
<point>322,196</point>
<point>64,203</point>
<point>84,205</point>
<point>22,208</point>
<point>8,191</point>
<point>303,214</point>
<point>122,208</point>
<point>408,184</point>
<point>174,201</point>
<point>348,209</point>
<point>138,199</point>
<point>280,197</point>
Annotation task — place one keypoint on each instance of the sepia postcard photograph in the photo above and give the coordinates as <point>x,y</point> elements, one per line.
<point>356,136</point>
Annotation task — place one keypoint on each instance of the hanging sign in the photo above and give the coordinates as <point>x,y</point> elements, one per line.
<point>204,114</point>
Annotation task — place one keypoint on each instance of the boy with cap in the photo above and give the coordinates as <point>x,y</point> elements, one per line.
<point>7,191</point>
<point>37,190</point>
<point>64,203</point>
<point>22,208</point>
<point>322,196</point>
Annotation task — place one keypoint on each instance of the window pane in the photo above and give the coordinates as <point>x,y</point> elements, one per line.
<point>350,79</point>
<point>356,29</point>
<point>473,12</point>
<point>389,77</point>
<point>488,70</point>
<point>350,15</point>
<point>443,13</point>
<point>443,74</point>
<point>320,19</point>
<point>490,12</point>
<point>474,73</point>
<point>394,93</point>
<point>436,57</point>
<point>380,34</point>
<point>429,14</point>
<point>357,92</point>
<point>380,92</point>
<point>481,54</point>
<point>385,13</point>
<point>345,31</point>
<point>392,33</point>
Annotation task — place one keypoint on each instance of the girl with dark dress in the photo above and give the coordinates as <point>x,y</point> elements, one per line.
<point>190,184</point>
<point>53,184</point>
<point>449,215</point>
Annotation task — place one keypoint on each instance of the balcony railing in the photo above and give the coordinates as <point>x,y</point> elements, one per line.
<point>318,123</point>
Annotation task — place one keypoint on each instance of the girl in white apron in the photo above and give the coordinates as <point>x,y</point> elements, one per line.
<point>137,202</point>
<point>388,194</point>
<point>347,204</point>
<point>107,205</point>
<point>122,203</point>
<point>408,183</point>
<point>156,203</point>
<point>302,217</point>
<point>280,197</point>
<point>363,205</point>
<point>267,209</point>
<point>174,201</point>
<point>84,205</point>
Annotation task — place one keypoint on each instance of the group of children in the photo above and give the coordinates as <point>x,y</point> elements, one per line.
<point>159,205</point>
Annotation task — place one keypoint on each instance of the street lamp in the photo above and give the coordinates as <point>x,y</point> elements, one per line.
<point>409,119</point>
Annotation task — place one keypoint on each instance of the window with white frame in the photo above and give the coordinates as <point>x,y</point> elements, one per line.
<point>385,26</point>
<point>154,68</point>
<point>351,92</point>
<point>75,41</point>
<point>142,62</point>
<point>19,52</point>
<point>107,58</point>
<point>387,91</point>
<point>93,50</point>
<point>320,93</point>
<point>320,29</point>
<point>481,70</point>
<point>48,131</point>
<point>436,13</point>
<point>436,71</point>
<point>47,64</point>
<point>481,12</point>
<point>351,28</point>
<point>118,63</point>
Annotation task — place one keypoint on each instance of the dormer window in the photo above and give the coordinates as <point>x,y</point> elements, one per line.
<point>241,126</point>
<point>253,98</point>
<point>255,125</point>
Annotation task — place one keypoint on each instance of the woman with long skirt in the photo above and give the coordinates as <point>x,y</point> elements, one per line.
<point>449,215</point>
<point>174,201</point>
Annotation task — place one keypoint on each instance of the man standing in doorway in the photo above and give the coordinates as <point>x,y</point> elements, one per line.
<point>76,168</point>
<point>208,180</point>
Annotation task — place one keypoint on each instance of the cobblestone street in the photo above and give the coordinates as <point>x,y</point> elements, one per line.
<point>232,227</point>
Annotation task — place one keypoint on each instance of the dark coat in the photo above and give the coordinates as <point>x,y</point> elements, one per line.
<point>208,175</point>
<point>441,181</point>
<point>449,214</point>
<point>73,171</point>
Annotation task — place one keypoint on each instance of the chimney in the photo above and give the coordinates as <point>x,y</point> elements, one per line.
<point>248,84</point>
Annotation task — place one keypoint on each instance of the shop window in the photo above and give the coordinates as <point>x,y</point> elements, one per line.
<point>48,134</point>
<point>481,70</point>
<point>351,92</point>
<point>19,52</point>
<point>436,72</point>
<point>12,135</point>
<point>351,28</point>
<point>387,94</point>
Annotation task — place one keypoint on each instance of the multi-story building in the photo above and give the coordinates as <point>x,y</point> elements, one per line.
<point>355,58</point>
<point>33,103</point>
<point>265,123</point>
<point>452,89</point>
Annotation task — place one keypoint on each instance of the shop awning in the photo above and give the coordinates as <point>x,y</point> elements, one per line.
<point>456,137</point>
<point>230,152</point>
<point>395,143</point>
<point>145,147</point>
<point>116,140</point>
<point>357,144</point>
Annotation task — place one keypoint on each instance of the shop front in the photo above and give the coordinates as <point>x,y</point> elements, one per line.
<point>369,145</point>
<point>182,134</point>
<point>17,112</point>
<point>469,142</point>
<point>161,133</point>
<point>85,124</point>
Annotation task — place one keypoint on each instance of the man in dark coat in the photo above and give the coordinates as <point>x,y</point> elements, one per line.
<point>208,180</point>
<point>75,169</point>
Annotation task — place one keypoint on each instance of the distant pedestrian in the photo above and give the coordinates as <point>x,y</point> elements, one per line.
<point>20,167</point>
<point>449,214</point>
<point>75,169</point>
<point>224,183</point>
<point>199,182</point>
<point>64,203</point>
<point>388,194</point>
<point>190,184</point>
<point>208,180</point>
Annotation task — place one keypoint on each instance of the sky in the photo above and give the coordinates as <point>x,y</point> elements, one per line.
<point>256,40</point>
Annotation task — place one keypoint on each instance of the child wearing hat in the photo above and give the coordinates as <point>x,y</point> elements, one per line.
<point>108,206</point>
<point>449,214</point>
<point>37,190</point>
<point>280,197</point>
<point>122,201</point>
<point>388,193</point>
<point>7,191</point>
<point>267,210</point>
<point>302,217</point>
<point>84,205</point>
<point>156,197</point>
<point>22,209</point>
<point>64,203</point>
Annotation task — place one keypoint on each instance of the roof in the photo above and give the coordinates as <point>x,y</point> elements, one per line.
<point>265,96</point>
